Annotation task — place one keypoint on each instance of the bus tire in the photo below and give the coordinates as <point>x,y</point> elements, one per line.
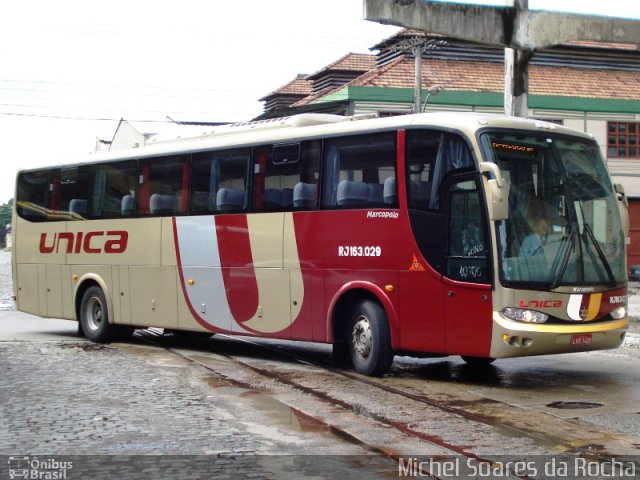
<point>369,339</point>
<point>340,354</point>
<point>94,316</point>
<point>80,332</point>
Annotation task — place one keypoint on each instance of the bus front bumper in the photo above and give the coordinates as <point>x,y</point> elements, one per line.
<point>517,339</point>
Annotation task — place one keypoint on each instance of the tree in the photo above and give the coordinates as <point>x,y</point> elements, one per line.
<point>5,219</point>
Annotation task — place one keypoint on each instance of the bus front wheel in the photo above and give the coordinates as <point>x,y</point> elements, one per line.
<point>369,339</point>
<point>94,316</point>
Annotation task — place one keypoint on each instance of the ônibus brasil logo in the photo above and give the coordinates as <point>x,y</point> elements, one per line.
<point>114,241</point>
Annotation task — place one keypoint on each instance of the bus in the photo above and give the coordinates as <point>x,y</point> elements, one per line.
<point>432,234</point>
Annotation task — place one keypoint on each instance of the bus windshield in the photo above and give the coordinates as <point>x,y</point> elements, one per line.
<point>564,226</point>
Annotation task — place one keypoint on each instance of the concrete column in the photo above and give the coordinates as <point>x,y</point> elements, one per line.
<point>516,70</point>
<point>516,82</point>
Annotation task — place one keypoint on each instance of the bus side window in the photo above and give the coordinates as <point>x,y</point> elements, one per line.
<point>219,181</point>
<point>232,184</point>
<point>305,190</point>
<point>74,192</point>
<point>203,170</point>
<point>113,190</point>
<point>35,195</point>
<point>285,176</point>
<point>164,185</point>
<point>356,170</point>
<point>430,156</point>
<point>421,154</point>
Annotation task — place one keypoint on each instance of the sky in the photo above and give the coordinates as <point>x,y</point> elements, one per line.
<point>70,69</point>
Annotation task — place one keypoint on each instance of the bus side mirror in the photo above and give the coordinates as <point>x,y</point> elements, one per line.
<point>622,196</point>
<point>623,206</point>
<point>497,197</point>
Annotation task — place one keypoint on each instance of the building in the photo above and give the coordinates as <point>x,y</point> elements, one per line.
<point>593,87</point>
<point>131,134</point>
<point>103,144</point>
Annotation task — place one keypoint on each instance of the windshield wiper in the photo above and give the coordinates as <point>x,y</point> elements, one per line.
<point>601,255</point>
<point>563,257</point>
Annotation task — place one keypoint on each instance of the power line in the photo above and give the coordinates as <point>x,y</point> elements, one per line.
<point>107,85</point>
<point>194,95</point>
<point>69,107</point>
<point>92,119</point>
<point>61,117</point>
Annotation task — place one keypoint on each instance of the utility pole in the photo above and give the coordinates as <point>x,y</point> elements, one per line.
<point>417,91</point>
<point>418,46</point>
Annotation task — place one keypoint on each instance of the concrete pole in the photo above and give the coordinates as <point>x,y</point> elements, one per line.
<point>417,94</point>
<point>516,73</point>
<point>516,82</point>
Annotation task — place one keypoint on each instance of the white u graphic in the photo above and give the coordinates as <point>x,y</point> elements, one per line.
<point>276,269</point>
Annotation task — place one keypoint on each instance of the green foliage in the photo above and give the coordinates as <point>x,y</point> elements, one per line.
<point>5,219</point>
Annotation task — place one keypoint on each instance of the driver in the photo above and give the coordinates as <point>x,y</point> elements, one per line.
<point>534,242</point>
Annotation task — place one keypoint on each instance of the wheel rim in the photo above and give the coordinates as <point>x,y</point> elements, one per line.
<point>361,337</point>
<point>93,313</point>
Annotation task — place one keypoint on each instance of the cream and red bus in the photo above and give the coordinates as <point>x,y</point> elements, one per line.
<point>433,234</point>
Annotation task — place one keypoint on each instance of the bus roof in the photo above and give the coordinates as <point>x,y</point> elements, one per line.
<point>313,125</point>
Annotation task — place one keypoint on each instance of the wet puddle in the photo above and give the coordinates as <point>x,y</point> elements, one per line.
<point>280,414</point>
<point>283,415</point>
<point>153,355</point>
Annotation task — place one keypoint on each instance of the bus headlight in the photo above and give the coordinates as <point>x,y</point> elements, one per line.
<point>619,313</point>
<point>526,316</point>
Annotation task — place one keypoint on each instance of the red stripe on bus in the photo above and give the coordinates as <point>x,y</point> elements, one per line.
<point>236,261</point>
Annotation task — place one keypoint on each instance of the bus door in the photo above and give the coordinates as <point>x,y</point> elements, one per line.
<point>467,274</point>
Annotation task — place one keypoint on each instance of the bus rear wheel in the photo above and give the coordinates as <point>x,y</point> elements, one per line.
<point>94,316</point>
<point>369,339</point>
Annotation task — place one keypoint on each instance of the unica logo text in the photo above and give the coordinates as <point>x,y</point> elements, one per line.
<point>114,241</point>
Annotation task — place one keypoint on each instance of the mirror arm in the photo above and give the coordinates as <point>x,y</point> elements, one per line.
<point>496,193</point>
<point>492,168</point>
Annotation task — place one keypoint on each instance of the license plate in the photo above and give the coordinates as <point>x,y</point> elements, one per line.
<point>585,339</point>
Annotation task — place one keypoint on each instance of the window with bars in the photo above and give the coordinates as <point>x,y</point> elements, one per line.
<point>623,139</point>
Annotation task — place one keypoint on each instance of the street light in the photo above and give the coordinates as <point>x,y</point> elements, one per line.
<point>431,91</point>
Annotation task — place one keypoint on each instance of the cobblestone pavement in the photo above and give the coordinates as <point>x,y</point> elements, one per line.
<point>57,398</point>
<point>78,398</point>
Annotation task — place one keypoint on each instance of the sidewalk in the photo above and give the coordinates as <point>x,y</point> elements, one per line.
<point>634,306</point>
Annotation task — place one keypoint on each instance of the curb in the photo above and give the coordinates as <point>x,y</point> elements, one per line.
<point>631,340</point>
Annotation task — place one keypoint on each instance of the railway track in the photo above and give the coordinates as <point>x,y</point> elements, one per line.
<point>412,417</point>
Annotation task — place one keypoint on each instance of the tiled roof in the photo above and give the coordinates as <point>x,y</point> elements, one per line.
<point>310,98</point>
<point>577,82</point>
<point>301,85</point>
<point>352,62</point>
<point>489,77</point>
<point>603,45</point>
